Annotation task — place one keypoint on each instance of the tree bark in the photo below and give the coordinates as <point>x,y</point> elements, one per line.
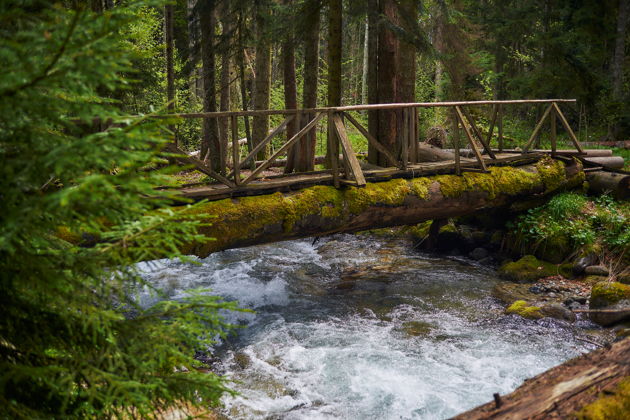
<point>601,182</point>
<point>334,67</point>
<point>262,81</point>
<point>290,95</point>
<point>210,145</point>
<point>365,64</point>
<point>305,159</point>
<point>170,69</point>
<point>388,71</point>
<point>618,60</point>
<point>225,97</point>
<point>372,76</point>
<point>324,210</point>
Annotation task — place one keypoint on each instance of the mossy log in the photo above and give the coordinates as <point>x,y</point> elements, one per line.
<point>592,386</point>
<point>323,210</point>
<point>618,184</point>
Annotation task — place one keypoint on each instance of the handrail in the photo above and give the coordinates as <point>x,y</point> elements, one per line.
<point>368,107</point>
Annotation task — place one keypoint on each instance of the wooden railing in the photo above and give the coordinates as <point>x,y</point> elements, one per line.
<point>347,169</point>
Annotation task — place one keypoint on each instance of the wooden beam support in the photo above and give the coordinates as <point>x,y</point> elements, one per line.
<point>552,132</point>
<point>235,151</point>
<point>458,170</point>
<point>478,133</point>
<point>267,139</point>
<point>198,164</point>
<point>284,148</point>
<point>371,140</point>
<point>500,126</point>
<point>567,127</point>
<point>333,148</point>
<point>532,138</point>
<point>348,153</point>
<point>470,139</point>
<point>493,121</point>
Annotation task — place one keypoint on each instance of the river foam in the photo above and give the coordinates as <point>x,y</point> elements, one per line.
<point>364,327</point>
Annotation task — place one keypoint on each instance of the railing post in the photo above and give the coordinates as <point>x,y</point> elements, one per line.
<point>500,127</point>
<point>333,149</point>
<point>455,128</point>
<point>404,138</point>
<point>235,150</point>
<point>552,134</point>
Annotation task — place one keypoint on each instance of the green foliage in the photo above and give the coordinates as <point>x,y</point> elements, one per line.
<point>578,221</point>
<point>73,342</point>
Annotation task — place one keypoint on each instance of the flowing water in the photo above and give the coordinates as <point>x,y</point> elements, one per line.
<point>364,327</point>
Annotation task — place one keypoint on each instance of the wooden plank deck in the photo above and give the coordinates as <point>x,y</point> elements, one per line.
<point>292,182</point>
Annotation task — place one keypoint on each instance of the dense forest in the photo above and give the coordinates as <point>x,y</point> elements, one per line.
<point>85,95</point>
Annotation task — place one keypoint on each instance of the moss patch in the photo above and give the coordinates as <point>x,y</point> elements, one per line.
<point>609,407</point>
<point>524,309</point>
<point>392,193</point>
<point>527,269</point>
<point>608,293</point>
<point>551,173</point>
<point>420,187</point>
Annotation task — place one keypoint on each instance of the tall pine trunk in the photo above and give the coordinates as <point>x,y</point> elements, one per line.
<point>290,94</point>
<point>170,69</point>
<point>306,159</point>
<point>387,79</point>
<point>210,146</point>
<point>334,63</point>
<point>224,99</point>
<point>262,82</point>
<point>618,60</point>
<point>372,75</point>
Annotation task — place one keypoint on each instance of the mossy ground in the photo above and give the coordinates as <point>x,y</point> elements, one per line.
<point>527,269</point>
<point>524,309</point>
<point>613,406</point>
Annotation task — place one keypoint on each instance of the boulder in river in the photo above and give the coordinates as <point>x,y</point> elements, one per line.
<point>478,254</point>
<point>558,311</point>
<point>613,299</point>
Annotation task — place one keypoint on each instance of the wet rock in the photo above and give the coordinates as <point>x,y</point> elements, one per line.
<point>613,297</point>
<point>555,310</point>
<point>527,269</point>
<point>417,328</point>
<point>509,292</point>
<point>580,264</point>
<point>596,270</point>
<point>242,360</point>
<point>486,261</point>
<point>478,254</point>
<point>624,277</point>
<point>593,280</point>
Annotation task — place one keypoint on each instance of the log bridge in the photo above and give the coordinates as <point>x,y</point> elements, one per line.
<point>350,196</point>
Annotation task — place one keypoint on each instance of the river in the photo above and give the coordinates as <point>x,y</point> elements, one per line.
<point>366,327</point>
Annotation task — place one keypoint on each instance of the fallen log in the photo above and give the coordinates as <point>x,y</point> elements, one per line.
<point>429,153</point>
<point>612,162</point>
<point>323,210</point>
<point>617,184</point>
<point>584,385</point>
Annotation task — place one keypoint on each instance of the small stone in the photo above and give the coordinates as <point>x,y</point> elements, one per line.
<point>552,295</point>
<point>581,263</point>
<point>242,360</point>
<point>478,254</point>
<point>555,310</point>
<point>596,270</point>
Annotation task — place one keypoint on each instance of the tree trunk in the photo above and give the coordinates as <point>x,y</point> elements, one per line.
<point>387,80</point>
<point>193,37</point>
<point>290,95</point>
<point>618,61</point>
<point>364,72</point>
<point>210,146</point>
<point>334,66</point>
<point>170,69</point>
<point>243,81</point>
<point>372,76</point>
<point>225,99</point>
<point>305,160</point>
<point>324,210</point>
<point>262,81</point>
<point>601,182</point>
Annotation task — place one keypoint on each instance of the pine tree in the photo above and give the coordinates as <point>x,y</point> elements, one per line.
<point>78,209</point>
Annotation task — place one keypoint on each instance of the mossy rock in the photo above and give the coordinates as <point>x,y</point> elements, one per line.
<point>605,294</point>
<point>613,405</point>
<point>508,292</point>
<point>524,309</point>
<point>527,269</point>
